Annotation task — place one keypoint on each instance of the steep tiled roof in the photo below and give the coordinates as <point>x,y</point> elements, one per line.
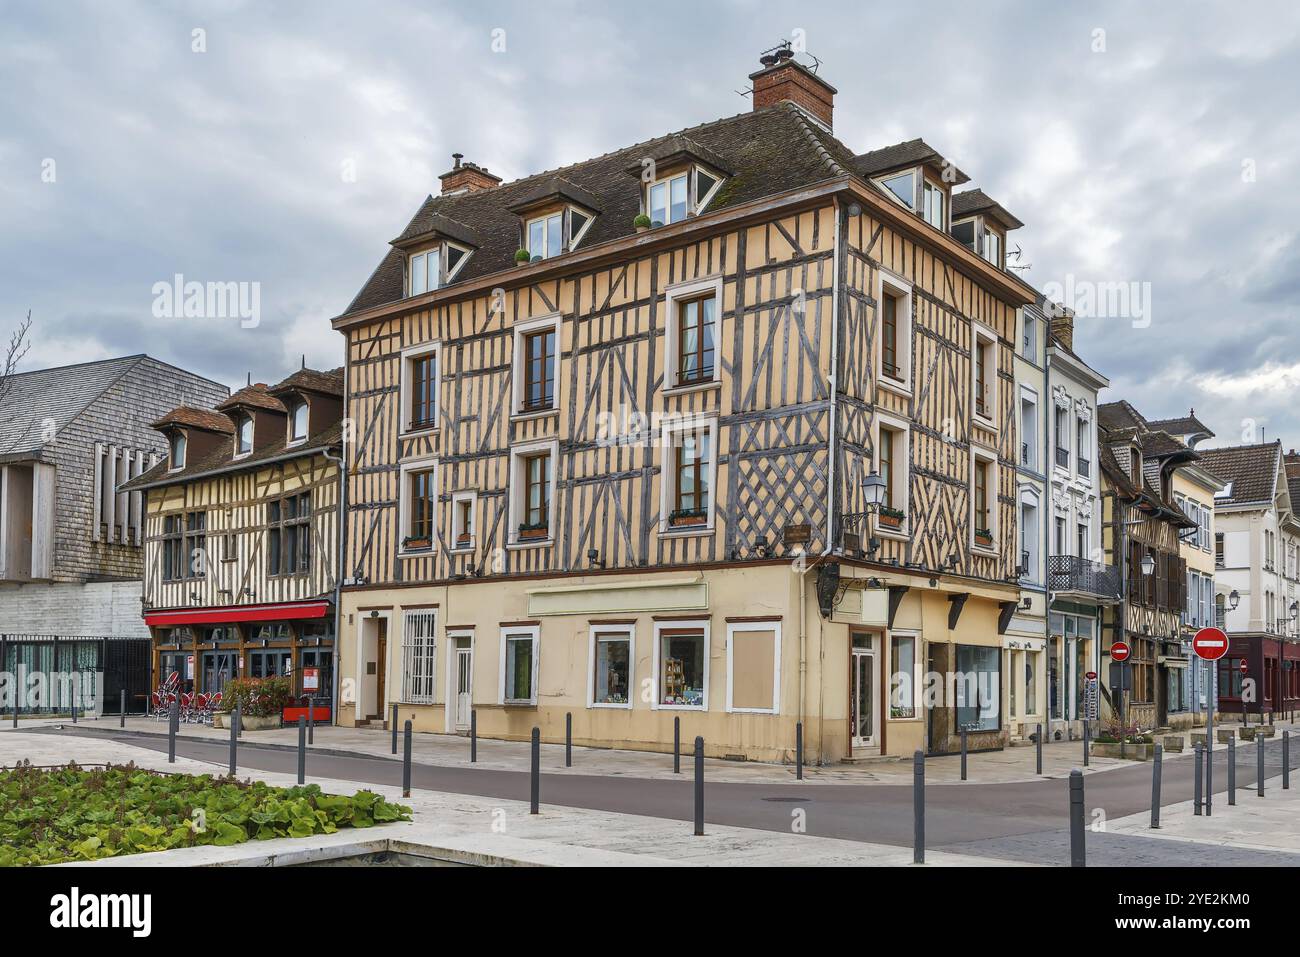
<point>972,201</point>
<point>223,459</point>
<point>197,419</point>
<point>39,404</point>
<point>1250,470</point>
<point>1120,426</point>
<point>899,155</point>
<point>764,152</point>
<point>312,380</point>
<point>255,396</point>
<point>1185,425</point>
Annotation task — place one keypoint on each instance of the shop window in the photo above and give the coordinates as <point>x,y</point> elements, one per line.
<point>682,664</point>
<point>979,703</point>
<point>754,667</point>
<point>611,679</point>
<point>519,665</point>
<point>902,676</point>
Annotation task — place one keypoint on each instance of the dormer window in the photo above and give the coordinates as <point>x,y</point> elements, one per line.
<point>992,250</point>
<point>681,194</point>
<point>244,435</point>
<point>902,186</point>
<point>431,269</point>
<point>298,422</point>
<point>556,232</point>
<point>934,200</point>
<point>177,451</point>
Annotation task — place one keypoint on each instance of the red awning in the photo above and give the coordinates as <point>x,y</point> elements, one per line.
<point>215,616</point>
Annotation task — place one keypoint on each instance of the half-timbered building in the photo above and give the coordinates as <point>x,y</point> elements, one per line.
<point>241,536</point>
<point>719,427</point>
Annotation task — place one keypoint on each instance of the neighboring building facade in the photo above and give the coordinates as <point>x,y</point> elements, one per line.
<point>626,479</point>
<point>1082,581</point>
<point>241,523</point>
<point>1256,538</point>
<point>70,542</point>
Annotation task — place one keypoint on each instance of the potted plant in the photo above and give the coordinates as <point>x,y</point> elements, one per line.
<point>984,536</point>
<point>261,702</point>
<point>522,257</point>
<point>462,540</point>
<point>642,222</point>
<point>890,517</point>
<point>533,531</point>
<point>415,543</point>
<point>683,517</point>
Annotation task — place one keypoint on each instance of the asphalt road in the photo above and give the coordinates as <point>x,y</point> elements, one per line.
<point>1024,821</point>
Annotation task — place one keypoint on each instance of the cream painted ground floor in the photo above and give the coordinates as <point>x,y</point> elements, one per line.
<point>898,661</point>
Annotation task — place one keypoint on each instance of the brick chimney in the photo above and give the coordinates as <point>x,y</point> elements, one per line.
<point>1062,324</point>
<point>783,79</point>
<point>466,177</point>
<point>1292,460</point>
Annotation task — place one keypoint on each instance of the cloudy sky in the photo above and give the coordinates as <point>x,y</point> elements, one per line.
<point>1153,145</point>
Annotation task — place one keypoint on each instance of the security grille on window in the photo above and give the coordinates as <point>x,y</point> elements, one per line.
<point>289,535</point>
<point>418,651</point>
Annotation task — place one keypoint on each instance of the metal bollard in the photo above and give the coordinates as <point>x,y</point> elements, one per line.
<point>1209,769</point>
<point>234,737</point>
<point>963,754</point>
<point>1155,787</point>
<point>1039,738</point>
<point>1087,731</point>
<point>568,739</point>
<point>535,777</point>
<point>473,736</point>
<point>918,807</point>
<point>173,723</point>
<point>394,723</point>
<point>798,751</point>
<point>1286,760</point>
<point>121,713</point>
<point>1078,850</point>
<point>1259,764</point>
<point>1200,780</point>
<point>677,745</point>
<point>699,786</point>
<point>406,760</point>
<point>311,720</point>
<point>1232,771</point>
<point>75,694</point>
<point>302,750</point>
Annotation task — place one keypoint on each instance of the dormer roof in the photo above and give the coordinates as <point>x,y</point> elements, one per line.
<point>311,380</point>
<point>972,202</point>
<point>192,418</point>
<point>256,396</point>
<point>900,156</point>
<point>436,226</point>
<point>554,190</point>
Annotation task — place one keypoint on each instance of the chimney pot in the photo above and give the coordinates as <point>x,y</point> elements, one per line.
<point>467,177</point>
<point>785,79</point>
<point>455,160</point>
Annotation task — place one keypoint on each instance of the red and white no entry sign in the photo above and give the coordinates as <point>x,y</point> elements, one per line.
<point>1119,651</point>
<point>1210,644</point>
<point>1243,667</point>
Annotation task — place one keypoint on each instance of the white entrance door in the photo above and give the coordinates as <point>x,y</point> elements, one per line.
<point>464,678</point>
<point>864,705</point>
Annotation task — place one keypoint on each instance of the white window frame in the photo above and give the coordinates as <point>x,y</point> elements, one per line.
<point>1030,498</point>
<point>456,499</point>
<point>519,488</point>
<point>245,418</point>
<point>545,219</point>
<point>183,437</point>
<point>1029,396</point>
<point>409,355</point>
<point>981,332</point>
<point>732,629</point>
<point>629,630</point>
<point>425,463</point>
<point>298,403</point>
<point>1065,444</point>
<point>449,674</point>
<point>913,172</point>
<point>902,463</point>
<point>422,256</point>
<point>410,652</point>
<point>523,329</point>
<point>672,353</point>
<point>668,459</point>
<point>927,186</point>
<point>704,625</point>
<point>901,289</point>
<point>988,456</point>
<point>1001,239</point>
<point>918,676</point>
<point>535,633</point>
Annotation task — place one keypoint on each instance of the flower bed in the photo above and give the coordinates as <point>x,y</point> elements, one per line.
<point>79,814</point>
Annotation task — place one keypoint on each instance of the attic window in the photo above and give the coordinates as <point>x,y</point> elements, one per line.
<point>992,251</point>
<point>557,232</point>
<point>298,422</point>
<point>1225,492</point>
<point>177,451</point>
<point>432,269</point>
<point>934,200</point>
<point>902,186</point>
<point>673,198</point>
<point>244,435</point>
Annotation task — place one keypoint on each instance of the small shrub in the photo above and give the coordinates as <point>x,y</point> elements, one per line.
<point>257,697</point>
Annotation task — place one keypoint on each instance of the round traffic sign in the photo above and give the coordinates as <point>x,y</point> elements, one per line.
<point>1119,651</point>
<point>1091,676</point>
<point>1243,667</point>
<point>1210,644</point>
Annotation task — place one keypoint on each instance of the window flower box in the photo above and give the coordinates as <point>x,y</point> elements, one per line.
<point>984,537</point>
<point>686,518</point>
<point>532,533</point>
<point>890,517</point>
<point>415,544</point>
<point>463,540</point>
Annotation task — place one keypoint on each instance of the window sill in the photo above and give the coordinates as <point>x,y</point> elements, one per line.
<point>418,433</point>
<point>519,704</point>
<point>692,387</point>
<point>985,549</point>
<point>767,711</point>
<point>985,421</point>
<point>681,707</point>
<point>462,549</point>
<point>610,706</point>
<point>896,386</point>
<point>900,534</point>
<point>685,531</point>
<point>527,415</point>
<point>415,552</point>
<point>530,543</point>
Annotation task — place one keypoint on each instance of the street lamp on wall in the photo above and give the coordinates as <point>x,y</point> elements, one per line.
<point>1148,564</point>
<point>1234,599</point>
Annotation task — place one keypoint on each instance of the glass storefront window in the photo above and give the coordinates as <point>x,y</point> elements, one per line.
<point>978,688</point>
<point>903,674</point>
<point>681,675</point>
<point>321,659</point>
<point>612,678</point>
<point>1031,692</point>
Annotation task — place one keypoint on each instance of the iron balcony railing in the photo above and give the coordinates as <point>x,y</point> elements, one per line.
<point>1070,573</point>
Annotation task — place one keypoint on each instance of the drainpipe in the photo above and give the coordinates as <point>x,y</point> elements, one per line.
<point>341,461</point>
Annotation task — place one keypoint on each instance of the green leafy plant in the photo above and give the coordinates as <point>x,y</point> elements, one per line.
<point>642,221</point>
<point>521,256</point>
<point>257,697</point>
<point>51,815</point>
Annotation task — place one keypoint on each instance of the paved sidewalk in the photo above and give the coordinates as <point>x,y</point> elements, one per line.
<point>484,830</point>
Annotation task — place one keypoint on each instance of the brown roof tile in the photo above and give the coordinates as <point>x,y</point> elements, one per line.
<point>198,419</point>
<point>256,396</point>
<point>1251,471</point>
<point>312,380</point>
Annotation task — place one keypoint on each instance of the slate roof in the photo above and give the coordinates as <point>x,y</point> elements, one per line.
<point>1120,426</point>
<point>312,380</point>
<point>900,155</point>
<point>764,152</point>
<point>1186,425</point>
<point>54,398</point>
<point>254,396</point>
<point>972,201</point>
<point>197,419</point>
<point>1252,470</point>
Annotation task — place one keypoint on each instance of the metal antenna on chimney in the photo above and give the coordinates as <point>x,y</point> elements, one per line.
<point>304,360</point>
<point>250,376</point>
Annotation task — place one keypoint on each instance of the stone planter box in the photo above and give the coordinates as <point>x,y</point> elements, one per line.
<point>1132,752</point>
<point>247,722</point>
<point>1172,742</point>
<point>1198,737</point>
<point>1224,735</point>
<point>1263,731</point>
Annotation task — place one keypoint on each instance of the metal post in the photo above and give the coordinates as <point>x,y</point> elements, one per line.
<point>234,737</point>
<point>699,786</point>
<point>311,720</point>
<point>76,693</point>
<point>798,751</point>
<point>535,776</point>
<point>1078,850</point>
<point>918,807</point>
<point>677,744</point>
<point>121,713</point>
<point>302,750</point>
<point>1155,787</point>
<point>1232,771</point>
<point>963,754</point>
<point>406,760</point>
<point>1039,738</point>
<point>1209,759</point>
<point>1286,760</point>
<point>473,735</point>
<point>1087,730</point>
<point>1200,780</point>
<point>1259,763</point>
<point>173,722</point>
<point>568,739</point>
<point>394,724</point>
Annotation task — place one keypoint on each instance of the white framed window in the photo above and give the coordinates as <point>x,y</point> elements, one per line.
<point>176,445</point>
<point>904,676</point>
<point>431,269</point>
<point>692,321</point>
<point>519,647</point>
<point>418,504</point>
<point>244,436</point>
<point>894,334</point>
<point>900,187</point>
<point>892,443</point>
<point>1030,534</point>
<point>610,661</point>
<point>754,667</point>
<point>681,663</point>
<point>298,415</point>
<point>535,372</point>
<point>992,249</point>
<point>556,232</point>
<point>1082,446</point>
<point>464,520</point>
<point>1029,336</point>
<point>1028,428</point>
<point>1061,426</point>
<point>934,204</point>
<point>984,498</point>
<point>419,656</point>
<point>689,477</point>
<point>984,374</point>
<point>421,382</point>
<point>682,193</point>
<point>533,482</point>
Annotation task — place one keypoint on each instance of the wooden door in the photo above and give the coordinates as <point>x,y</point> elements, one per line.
<point>381,669</point>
